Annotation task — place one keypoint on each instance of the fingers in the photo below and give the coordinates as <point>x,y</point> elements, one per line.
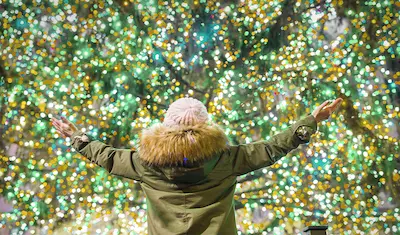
<point>61,126</point>
<point>54,120</point>
<point>336,102</point>
<point>58,129</point>
<point>66,121</point>
<point>57,125</point>
<point>334,106</point>
<point>57,122</point>
<point>322,105</point>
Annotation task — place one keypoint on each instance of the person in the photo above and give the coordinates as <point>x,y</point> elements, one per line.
<point>187,168</point>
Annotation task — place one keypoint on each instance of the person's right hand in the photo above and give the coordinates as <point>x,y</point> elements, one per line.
<point>64,127</point>
<point>323,112</point>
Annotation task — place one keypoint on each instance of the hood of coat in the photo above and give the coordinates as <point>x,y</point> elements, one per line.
<point>183,153</point>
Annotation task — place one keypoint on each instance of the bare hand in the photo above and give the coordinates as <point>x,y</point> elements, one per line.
<point>64,127</point>
<point>323,112</point>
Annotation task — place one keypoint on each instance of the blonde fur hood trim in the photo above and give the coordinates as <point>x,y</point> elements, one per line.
<point>161,145</point>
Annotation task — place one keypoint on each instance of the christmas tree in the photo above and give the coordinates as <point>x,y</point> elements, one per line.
<point>113,67</point>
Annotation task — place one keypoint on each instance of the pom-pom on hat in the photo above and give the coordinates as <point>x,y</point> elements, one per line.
<point>186,111</point>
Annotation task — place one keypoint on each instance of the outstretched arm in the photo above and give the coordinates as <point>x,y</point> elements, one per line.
<point>253,156</point>
<point>121,162</point>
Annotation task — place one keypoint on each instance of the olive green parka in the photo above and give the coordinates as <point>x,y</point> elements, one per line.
<point>188,173</point>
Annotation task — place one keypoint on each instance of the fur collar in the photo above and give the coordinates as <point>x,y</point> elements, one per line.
<point>160,145</point>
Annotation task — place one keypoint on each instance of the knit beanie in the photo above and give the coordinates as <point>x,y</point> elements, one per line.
<point>186,111</point>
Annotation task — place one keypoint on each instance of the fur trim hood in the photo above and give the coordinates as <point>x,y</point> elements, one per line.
<point>181,145</point>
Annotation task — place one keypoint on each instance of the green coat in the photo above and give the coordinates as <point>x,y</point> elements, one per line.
<point>188,174</point>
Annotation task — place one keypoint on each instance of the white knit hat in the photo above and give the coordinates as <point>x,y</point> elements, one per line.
<point>186,111</point>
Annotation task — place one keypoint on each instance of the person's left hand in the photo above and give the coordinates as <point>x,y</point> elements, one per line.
<point>64,127</point>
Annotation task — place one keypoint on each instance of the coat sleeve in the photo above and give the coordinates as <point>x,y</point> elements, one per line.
<point>256,155</point>
<point>120,162</point>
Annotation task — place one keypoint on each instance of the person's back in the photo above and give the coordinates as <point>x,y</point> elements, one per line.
<point>188,169</point>
<point>190,196</point>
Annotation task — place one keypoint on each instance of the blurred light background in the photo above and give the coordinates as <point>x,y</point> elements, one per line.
<point>113,67</point>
